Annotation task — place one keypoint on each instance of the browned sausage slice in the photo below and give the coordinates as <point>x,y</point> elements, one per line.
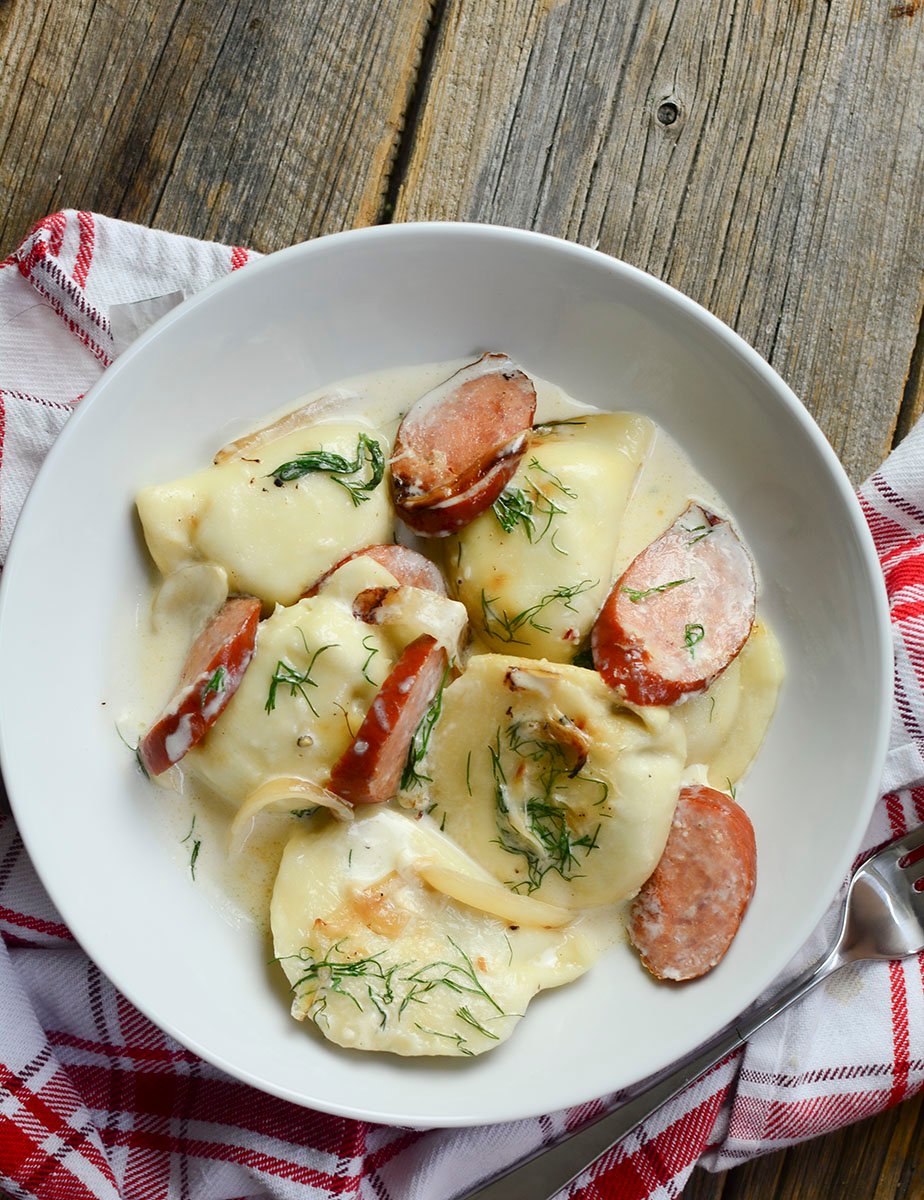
<point>685,917</point>
<point>211,675</point>
<point>460,444</point>
<point>408,567</point>
<point>369,770</point>
<point>679,614</point>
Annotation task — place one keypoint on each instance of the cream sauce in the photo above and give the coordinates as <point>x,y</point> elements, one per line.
<point>725,725</point>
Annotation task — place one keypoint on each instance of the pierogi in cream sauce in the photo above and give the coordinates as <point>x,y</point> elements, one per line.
<point>402,718</point>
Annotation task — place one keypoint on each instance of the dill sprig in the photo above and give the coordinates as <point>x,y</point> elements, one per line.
<point>461,979</point>
<point>635,595</point>
<point>536,465</point>
<point>534,510</point>
<point>546,426</point>
<point>330,974</point>
<point>456,1038</point>
<point>701,531</point>
<point>412,776</point>
<point>547,842</point>
<point>194,851</point>
<point>295,680</point>
<point>373,651</point>
<point>369,454</point>
<point>215,684</point>
<point>136,750</point>
<point>464,1015</point>
<point>511,506</point>
<point>507,627</point>
<point>392,990</point>
<point>692,636</point>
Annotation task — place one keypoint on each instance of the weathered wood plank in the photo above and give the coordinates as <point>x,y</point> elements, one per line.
<point>763,156</point>
<point>878,1159</point>
<point>255,122</point>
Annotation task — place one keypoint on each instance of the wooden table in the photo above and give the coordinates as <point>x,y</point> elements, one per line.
<point>765,156</point>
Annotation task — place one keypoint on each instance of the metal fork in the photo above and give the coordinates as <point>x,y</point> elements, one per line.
<point>883,918</point>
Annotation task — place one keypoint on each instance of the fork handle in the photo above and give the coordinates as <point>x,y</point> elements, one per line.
<point>545,1171</point>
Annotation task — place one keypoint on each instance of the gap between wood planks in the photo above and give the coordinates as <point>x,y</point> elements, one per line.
<point>404,146</point>
<point>912,404</point>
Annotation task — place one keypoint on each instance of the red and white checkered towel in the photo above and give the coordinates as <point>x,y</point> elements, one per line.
<point>97,1102</point>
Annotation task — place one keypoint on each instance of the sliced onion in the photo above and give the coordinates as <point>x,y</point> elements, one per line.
<point>282,795</point>
<point>492,898</point>
<point>411,609</point>
<point>190,594</point>
<point>288,423</point>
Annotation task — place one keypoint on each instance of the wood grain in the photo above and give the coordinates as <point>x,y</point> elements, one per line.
<point>878,1159</point>
<point>763,156</point>
<point>256,122</point>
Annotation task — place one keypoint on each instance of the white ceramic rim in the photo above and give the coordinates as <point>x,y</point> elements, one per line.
<point>712,325</point>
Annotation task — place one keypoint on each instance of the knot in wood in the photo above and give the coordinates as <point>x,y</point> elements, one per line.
<point>668,111</point>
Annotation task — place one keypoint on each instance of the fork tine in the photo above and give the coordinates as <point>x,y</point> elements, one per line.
<point>893,851</point>
<point>911,841</point>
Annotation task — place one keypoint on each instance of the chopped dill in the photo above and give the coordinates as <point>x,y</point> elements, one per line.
<point>505,628</point>
<point>196,847</point>
<point>534,512</point>
<point>136,750</point>
<point>468,773</point>
<point>392,990</point>
<point>732,790</point>
<point>536,465</point>
<point>544,837</point>
<point>294,679</point>
<point>457,1038</point>
<point>692,636</point>
<point>369,454</point>
<point>546,426</point>
<point>464,1014</point>
<point>215,684</point>
<point>637,596</point>
<point>463,980</point>
<point>304,812</point>
<point>412,776</point>
<point>511,506</point>
<point>346,717</point>
<point>701,531</point>
<point>711,708</point>
<point>373,651</point>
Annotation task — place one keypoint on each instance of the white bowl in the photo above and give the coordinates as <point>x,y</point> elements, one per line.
<point>608,334</point>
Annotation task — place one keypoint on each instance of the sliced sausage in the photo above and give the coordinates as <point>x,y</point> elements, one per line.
<point>408,567</point>
<point>369,771</point>
<point>685,917</point>
<point>211,675</point>
<point>679,614</point>
<point>460,444</point>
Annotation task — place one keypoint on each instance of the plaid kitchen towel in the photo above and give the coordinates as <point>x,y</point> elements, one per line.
<point>97,1102</point>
